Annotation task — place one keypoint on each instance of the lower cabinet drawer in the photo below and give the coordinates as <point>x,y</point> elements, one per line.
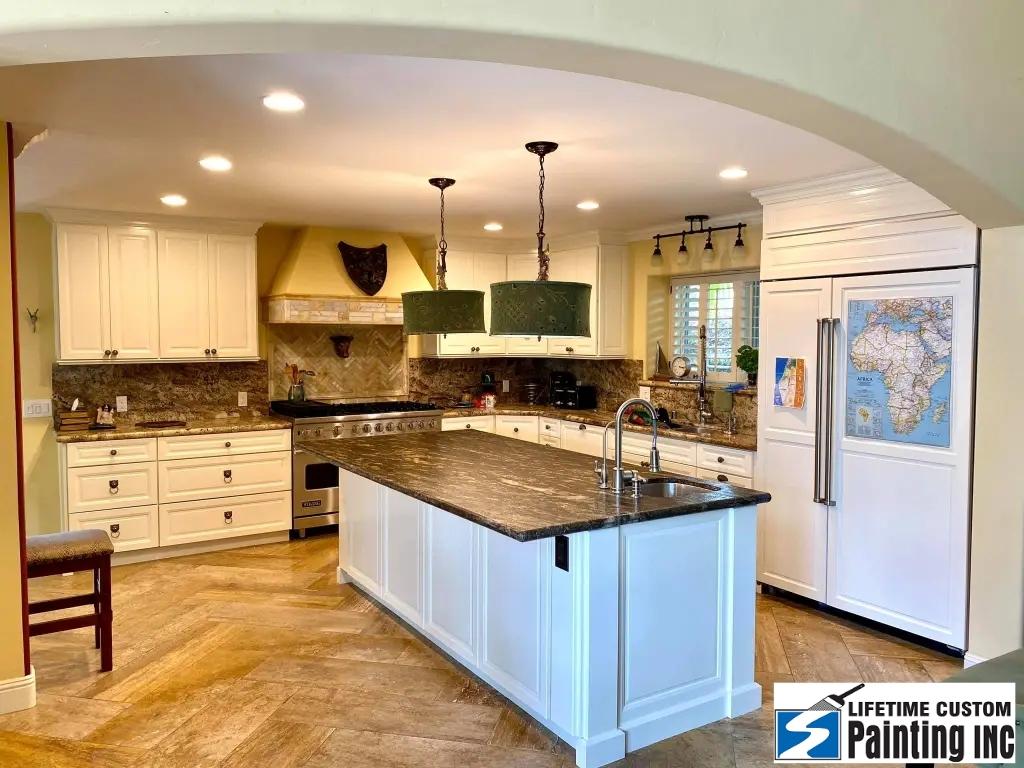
<point>517,427</point>
<point>91,489</point>
<point>482,423</point>
<point>552,441</point>
<point>218,477</point>
<point>224,444</point>
<point>106,452</point>
<point>724,477</point>
<point>729,460</point>
<point>131,528</point>
<point>190,521</point>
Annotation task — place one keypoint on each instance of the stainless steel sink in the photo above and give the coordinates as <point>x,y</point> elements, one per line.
<point>674,487</point>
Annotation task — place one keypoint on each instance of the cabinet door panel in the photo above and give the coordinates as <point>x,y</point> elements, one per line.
<point>450,615</point>
<point>83,292</point>
<point>402,587</point>
<point>134,294</point>
<point>360,515</point>
<point>232,270</point>
<point>184,294</point>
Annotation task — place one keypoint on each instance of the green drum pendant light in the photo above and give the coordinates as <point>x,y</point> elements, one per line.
<point>540,307</point>
<point>443,311</point>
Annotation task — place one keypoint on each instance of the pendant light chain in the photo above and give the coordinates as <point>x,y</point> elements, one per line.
<point>543,258</point>
<point>442,251</point>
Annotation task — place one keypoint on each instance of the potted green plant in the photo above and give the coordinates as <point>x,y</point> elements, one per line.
<point>746,360</point>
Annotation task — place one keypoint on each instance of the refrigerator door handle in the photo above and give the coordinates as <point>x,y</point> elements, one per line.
<point>818,396</point>
<point>831,326</point>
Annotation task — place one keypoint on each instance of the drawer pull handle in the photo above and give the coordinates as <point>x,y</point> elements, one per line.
<point>206,351</point>
<point>113,451</point>
<point>515,429</point>
<point>582,427</point>
<point>721,459</point>
<point>213,351</point>
<point>228,518</point>
<point>115,530</point>
<point>113,487</point>
<point>547,426</point>
<point>723,478</point>
<point>227,475</point>
<point>106,352</point>
<point>645,464</point>
<point>227,444</point>
<point>113,352</point>
<point>469,426</point>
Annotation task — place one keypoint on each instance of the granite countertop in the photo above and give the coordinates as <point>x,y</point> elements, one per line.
<point>202,424</point>
<point>522,490</point>
<point>745,441</point>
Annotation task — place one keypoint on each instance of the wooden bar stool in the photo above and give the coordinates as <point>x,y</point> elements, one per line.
<point>70,552</point>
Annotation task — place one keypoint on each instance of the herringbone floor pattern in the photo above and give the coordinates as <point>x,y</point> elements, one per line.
<point>257,658</point>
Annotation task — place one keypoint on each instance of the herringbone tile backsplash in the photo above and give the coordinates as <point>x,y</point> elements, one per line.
<point>376,366</point>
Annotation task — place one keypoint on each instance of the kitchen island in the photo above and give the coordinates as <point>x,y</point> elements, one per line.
<point>615,621</point>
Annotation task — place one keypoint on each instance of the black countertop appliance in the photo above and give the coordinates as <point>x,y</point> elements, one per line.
<point>565,392</point>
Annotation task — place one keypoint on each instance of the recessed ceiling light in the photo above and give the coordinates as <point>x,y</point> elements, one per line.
<point>283,101</point>
<point>733,172</point>
<point>217,163</point>
<point>493,226</point>
<point>588,205</point>
<point>175,201</point>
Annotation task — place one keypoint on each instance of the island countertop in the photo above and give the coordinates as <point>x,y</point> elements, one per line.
<point>522,490</point>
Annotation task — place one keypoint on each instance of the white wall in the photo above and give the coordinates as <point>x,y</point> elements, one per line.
<point>996,623</point>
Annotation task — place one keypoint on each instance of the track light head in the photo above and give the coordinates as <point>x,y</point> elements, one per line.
<point>707,245</point>
<point>656,258</point>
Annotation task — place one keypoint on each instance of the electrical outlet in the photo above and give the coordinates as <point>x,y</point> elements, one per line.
<point>36,409</point>
<point>243,399</point>
<point>121,403</point>
<point>504,385</point>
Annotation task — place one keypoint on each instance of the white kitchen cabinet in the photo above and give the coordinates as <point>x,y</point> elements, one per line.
<point>718,458</point>
<point>83,292</point>
<point>517,427</point>
<point>104,452</point>
<point>722,477</point>
<point>585,438</point>
<point>231,261</point>
<point>450,579</point>
<point>481,423</point>
<point>473,271</point>
<point>184,294</point>
<point>90,489</point>
<point>129,529</point>
<point>106,293</point>
<point>515,598</point>
<point>402,570</point>
<point>606,269</point>
<point>523,266</point>
<point>223,444</point>
<point>210,519</point>
<point>360,531</point>
<point>222,476</point>
<point>134,298</point>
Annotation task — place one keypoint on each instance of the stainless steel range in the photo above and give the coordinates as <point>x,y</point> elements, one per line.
<point>315,498</point>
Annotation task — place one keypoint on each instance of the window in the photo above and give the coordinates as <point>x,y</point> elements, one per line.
<point>728,305</point>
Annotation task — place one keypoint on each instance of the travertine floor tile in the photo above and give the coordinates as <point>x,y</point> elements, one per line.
<point>385,713</point>
<point>18,750</point>
<point>518,731</point>
<point>362,749</point>
<point>61,717</point>
<point>319,619</point>
<point>278,744</point>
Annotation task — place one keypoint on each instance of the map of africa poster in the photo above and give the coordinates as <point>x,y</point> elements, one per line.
<point>898,367</point>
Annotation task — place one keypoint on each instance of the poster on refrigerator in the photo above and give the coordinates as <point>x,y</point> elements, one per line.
<point>790,386</point>
<point>898,369</point>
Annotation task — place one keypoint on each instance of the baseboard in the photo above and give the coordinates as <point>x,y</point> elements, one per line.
<point>970,660</point>
<point>601,750</point>
<point>745,699</point>
<point>672,721</point>
<point>18,693</point>
<point>196,548</point>
<point>343,578</point>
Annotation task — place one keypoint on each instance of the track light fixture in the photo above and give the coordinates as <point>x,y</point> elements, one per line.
<point>697,225</point>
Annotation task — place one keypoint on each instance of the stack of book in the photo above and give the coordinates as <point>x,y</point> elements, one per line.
<point>73,421</point>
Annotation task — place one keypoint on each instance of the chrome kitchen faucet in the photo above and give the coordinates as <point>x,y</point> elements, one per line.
<point>618,484</point>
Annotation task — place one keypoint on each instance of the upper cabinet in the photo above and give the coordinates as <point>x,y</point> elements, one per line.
<point>143,293</point>
<point>606,267</point>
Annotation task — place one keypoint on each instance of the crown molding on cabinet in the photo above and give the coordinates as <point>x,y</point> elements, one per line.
<point>838,184</point>
<point>152,220</point>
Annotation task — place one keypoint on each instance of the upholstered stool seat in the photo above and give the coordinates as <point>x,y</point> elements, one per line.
<point>56,553</point>
<point>64,547</point>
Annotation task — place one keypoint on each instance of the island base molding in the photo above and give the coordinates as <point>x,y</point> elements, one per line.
<point>648,634</point>
<point>18,693</point>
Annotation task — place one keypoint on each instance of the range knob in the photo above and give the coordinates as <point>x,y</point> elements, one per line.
<point>355,429</point>
<point>431,424</point>
<point>419,425</point>
<point>317,431</point>
<point>390,427</point>
<point>366,427</point>
<point>378,428</point>
<point>401,426</point>
<point>337,431</point>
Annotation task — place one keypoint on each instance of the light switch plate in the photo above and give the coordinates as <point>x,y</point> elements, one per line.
<point>36,409</point>
<point>243,399</point>
<point>504,385</point>
<point>121,403</point>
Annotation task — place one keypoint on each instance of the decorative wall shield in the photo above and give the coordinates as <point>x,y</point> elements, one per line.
<point>368,267</point>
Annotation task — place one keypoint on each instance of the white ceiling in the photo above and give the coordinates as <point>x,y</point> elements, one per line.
<point>122,133</point>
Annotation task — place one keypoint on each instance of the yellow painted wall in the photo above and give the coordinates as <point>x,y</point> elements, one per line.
<point>12,651</point>
<point>38,351</point>
<point>996,622</point>
<point>651,300</point>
